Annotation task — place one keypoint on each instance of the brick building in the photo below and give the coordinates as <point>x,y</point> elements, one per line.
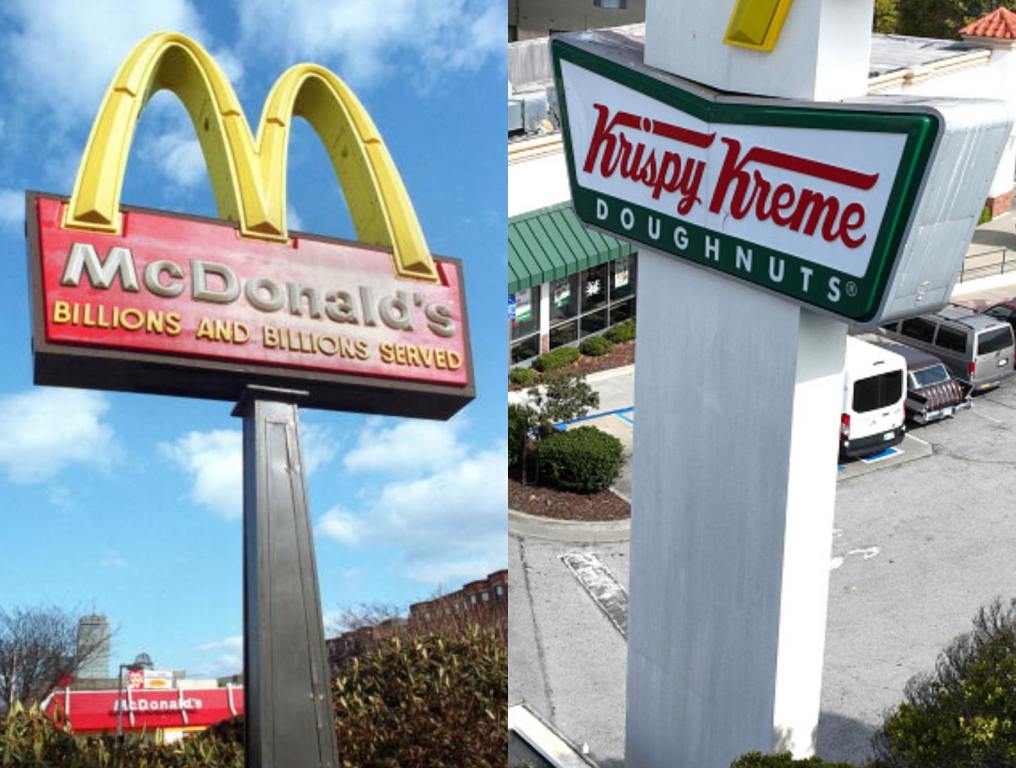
<point>483,602</point>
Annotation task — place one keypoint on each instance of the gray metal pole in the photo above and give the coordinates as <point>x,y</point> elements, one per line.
<point>289,722</point>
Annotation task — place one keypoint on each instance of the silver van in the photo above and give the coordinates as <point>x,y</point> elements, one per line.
<point>978,349</point>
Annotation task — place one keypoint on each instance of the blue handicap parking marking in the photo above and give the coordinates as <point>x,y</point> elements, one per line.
<point>628,414</point>
<point>888,453</point>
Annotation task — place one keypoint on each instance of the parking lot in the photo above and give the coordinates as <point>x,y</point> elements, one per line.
<point>922,539</point>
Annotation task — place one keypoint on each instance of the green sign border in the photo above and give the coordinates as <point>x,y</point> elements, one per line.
<point>861,297</point>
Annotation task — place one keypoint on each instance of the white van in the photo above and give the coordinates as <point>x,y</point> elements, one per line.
<point>874,393</point>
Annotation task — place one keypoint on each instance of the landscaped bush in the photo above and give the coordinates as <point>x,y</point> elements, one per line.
<point>519,417</point>
<point>523,377</point>
<point>583,459</point>
<point>782,760</point>
<point>622,332</point>
<point>595,346</point>
<point>556,358</point>
<point>433,701</point>
<point>962,715</point>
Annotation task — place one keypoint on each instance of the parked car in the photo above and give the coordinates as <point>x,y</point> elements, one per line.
<point>978,349</point>
<point>1003,310</point>
<point>873,396</point>
<point>933,393</point>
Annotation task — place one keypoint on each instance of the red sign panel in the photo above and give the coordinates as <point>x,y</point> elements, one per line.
<point>98,711</point>
<point>174,292</point>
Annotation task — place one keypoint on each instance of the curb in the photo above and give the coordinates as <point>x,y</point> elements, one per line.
<point>523,525</point>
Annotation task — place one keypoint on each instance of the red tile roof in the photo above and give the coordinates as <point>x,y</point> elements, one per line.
<point>1000,24</point>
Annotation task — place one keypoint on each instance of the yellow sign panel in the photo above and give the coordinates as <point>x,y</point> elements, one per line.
<point>248,174</point>
<point>757,24</point>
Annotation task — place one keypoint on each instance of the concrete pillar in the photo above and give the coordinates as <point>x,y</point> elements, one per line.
<point>737,398</point>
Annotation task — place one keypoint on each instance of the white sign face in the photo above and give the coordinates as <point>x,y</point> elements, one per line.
<point>821,194</point>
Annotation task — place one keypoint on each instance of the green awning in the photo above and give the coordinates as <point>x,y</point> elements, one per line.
<point>551,243</point>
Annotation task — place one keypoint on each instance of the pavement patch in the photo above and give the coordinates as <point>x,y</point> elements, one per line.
<point>600,584</point>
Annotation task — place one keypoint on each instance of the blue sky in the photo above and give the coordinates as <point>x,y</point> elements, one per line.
<point>129,504</point>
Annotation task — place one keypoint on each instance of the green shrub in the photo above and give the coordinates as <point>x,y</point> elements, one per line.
<point>962,715</point>
<point>595,346</point>
<point>519,422</point>
<point>583,459</point>
<point>426,701</point>
<point>985,215</point>
<point>564,397</point>
<point>622,332</point>
<point>556,358</point>
<point>782,760</point>
<point>523,377</point>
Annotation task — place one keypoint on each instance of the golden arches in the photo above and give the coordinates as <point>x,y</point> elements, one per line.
<point>249,177</point>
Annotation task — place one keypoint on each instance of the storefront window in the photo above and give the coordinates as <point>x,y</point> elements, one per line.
<point>623,310</point>
<point>564,298</point>
<point>593,285</point>
<point>527,312</point>
<point>564,334</point>
<point>622,278</point>
<point>524,324</point>
<point>594,322</point>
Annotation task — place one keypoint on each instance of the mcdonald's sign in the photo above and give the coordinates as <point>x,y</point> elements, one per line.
<point>141,300</point>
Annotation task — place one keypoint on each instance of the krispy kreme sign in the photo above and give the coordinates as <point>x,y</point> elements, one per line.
<point>813,202</point>
<point>149,301</point>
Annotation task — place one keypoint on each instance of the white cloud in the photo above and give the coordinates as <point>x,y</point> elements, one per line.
<point>178,155</point>
<point>62,54</point>
<point>12,208</point>
<point>340,525</point>
<point>214,461</point>
<point>359,39</point>
<point>450,523</point>
<point>226,656</point>
<point>409,447</point>
<point>293,220</point>
<point>46,430</point>
<point>112,559</point>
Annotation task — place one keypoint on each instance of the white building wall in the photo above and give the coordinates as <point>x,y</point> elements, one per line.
<point>537,183</point>
<point>995,80</point>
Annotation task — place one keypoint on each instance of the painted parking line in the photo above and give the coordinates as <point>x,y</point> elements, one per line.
<point>601,585</point>
<point>620,412</point>
<point>888,453</point>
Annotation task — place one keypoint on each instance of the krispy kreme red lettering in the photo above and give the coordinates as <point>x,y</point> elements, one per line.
<point>801,210</point>
<point>750,193</point>
<point>670,173</point>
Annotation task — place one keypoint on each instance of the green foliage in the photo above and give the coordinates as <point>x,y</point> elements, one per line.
<point>426,701</point>
<point>962,715</point>
<point>556,358</point>
<point>985,214</point>
<point>523,377</point>
<point>582,459</point>
<point>782,760</point>
<point>564,397</point>
<point>622,332</point>
<point>521,419</point>
<point>595,346</point>
<point>944,18</point>
<point>887,16</point>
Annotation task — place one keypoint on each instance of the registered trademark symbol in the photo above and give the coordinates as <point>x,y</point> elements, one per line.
<point>851,289</point>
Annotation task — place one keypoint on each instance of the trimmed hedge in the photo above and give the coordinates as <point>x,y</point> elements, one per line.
<point>556,358</point>
<point>595,346</point>
<point>523,377</point>
<point>782,760</point>
<point>622,332</point>
<point>583,459</point>
<point>962,715</point>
